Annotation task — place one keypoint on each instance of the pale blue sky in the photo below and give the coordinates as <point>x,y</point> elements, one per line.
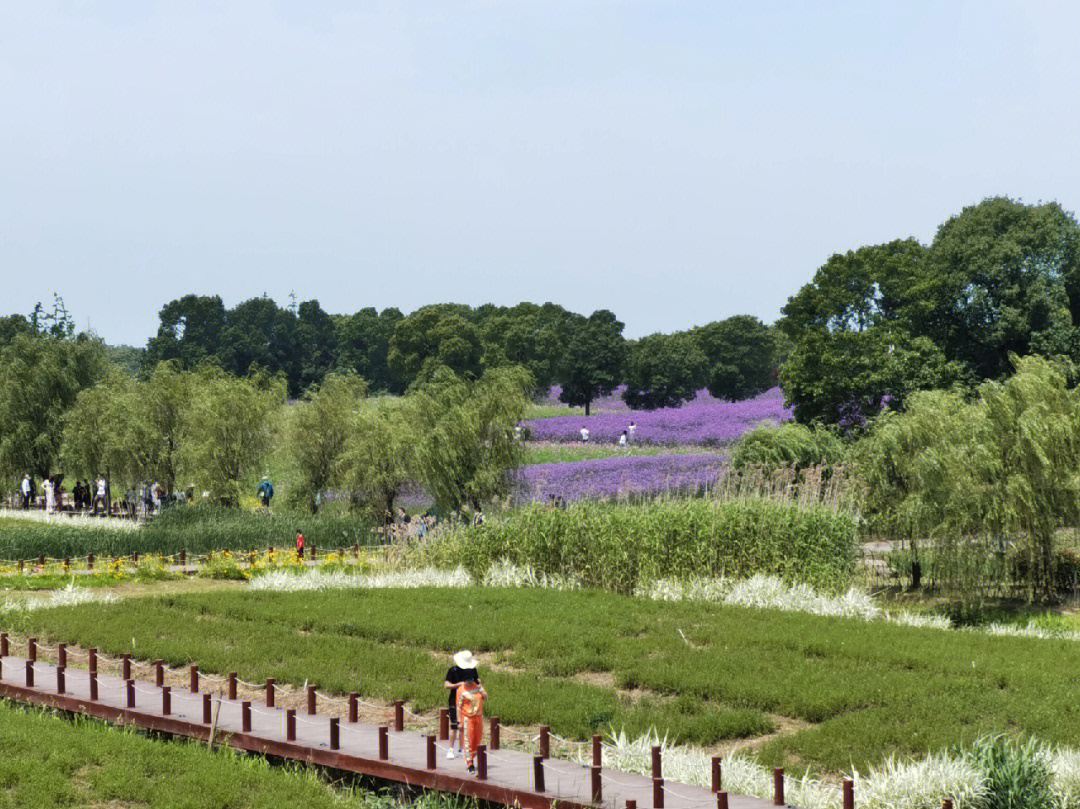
<point>676,162</point>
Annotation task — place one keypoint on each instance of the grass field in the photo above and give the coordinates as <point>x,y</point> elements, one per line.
<point>588,661</point>
<point>52,761</point>
<point>561,453</point>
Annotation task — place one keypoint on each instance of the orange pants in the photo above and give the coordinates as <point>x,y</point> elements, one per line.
<point>473,730</point>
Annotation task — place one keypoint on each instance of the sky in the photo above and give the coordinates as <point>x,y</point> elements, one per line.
<point>676,162</point>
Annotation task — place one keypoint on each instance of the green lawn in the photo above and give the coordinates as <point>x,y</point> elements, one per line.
<point>701,672</point>
<point>52,761</point>
<point>560,453</point>
<point>544,411</point>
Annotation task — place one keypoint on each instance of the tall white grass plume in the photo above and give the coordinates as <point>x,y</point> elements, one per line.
<point>69,596</point>
<point>505,573</point>
<point>314,579</point>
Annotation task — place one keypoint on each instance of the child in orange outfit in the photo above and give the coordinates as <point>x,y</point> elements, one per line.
<point>470,709</point>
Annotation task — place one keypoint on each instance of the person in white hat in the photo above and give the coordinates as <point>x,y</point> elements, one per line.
<point>463,670</point>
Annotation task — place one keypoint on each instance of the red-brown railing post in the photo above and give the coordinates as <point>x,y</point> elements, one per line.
<point>721,800</point>
<point>134,557</point>
<point>67,563</point>
<point>131,693</point>
<point>159,672</point>
<point>61,655</point>
<point>444,724</point>
<point>631,803</point>
<point>59,679</point>
<point>778,786</point>
<point>41,560</point>
<point>312,551</point>
<point>290,725</point>
<point>341,553</point>
<point>545,742</point>
<point>31,649</point>
<point>92,658</point>
<point>193,676</point>
<point>3,644</point>
<point>29,674</point>
<point>946,803</point>
<point>596,750</point>
<point>538,774</point>
<point>183,557</point>
<point>493,733</point>
<point>399,716</point>
<point>89,561</point>
<point>597,789</point>
<point>93,685</point>
<point>335,733</point>
<point>269,692</point>
<point>311,700</point>
<point>384,742</point>
<point>481,762</point>
<point>245,716</point>
<point>657,770</point>
<point>206,718</point>
<point>166,700</point>
<point>356,550</point>
<point>430,741</point>
<point>849,794</point>
<point>354,706</point>
<point>22,565</point>
<point>658,793</point>
<point>232,685</point>
<point>717,779</point>
<point>125,666</point>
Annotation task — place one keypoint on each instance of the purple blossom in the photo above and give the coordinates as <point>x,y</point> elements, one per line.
<point>704,420</point>
<point>621,475</point>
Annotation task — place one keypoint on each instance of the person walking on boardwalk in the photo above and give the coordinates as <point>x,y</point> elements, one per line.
<point>464,668</point>
<point>299,546</point>
<point>471,696</point>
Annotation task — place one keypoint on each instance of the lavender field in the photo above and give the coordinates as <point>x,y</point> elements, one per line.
<point>603,478</point>
<point>704,420</point>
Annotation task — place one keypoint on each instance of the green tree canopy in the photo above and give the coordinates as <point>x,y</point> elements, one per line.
<point>592,364</point>
<point>662,370</point>
<point>380,457</point>
<point>741,355</point>
<point>433,337</point>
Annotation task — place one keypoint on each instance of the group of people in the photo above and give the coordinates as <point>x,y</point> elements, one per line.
<point>466,708</point>
<point>84,496</point>
<point>625,438</point>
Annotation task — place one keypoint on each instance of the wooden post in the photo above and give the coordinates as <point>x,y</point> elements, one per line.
<point>61,655</point>
<point>545,742</point>
<point>335,733</point>
<point>597,789</point>
<point>89,561</point>
<point>245,716</point>
<point>29,674</point>
<point>93,685</point>
<point>92,656</point>
<point>341,553</point>
<point>193,686</point>
<point>717,779</point>
<point>596,750</point>
<point>658,793</point>
<point>130,693</point>
<point>778,786</point>
<point>67,563</point>
<point>206,708</point>
<point>59,679</point>
<point>356,550</point>
<point>312,551</point>
<point>3,644</point>
<point>134,557</point>
<point>41,560</point>
<point>631,803</point>
<point>31,649</point>
<point>290,725</point>
<point>721,800</point>
<point>354,706</point>
<point>399,716</point>
<point>538,774</point>
<point>125,666</point>
<point>159,672</point>
<point>166,700</point>
<point>269,692</point>
<point>232,685</point>
<point>657,770</point>
<point>430,739</point>
<point>384,742</point>
<point>183,557</point>
<point>444,724</point>
<point>311,700</point>
<point>493,733</point>
<point>22,565</point>
<point>946,803</point>
<point>849,794</point>
<point>481,762</point>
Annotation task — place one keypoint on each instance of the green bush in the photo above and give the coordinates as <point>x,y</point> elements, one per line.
<point>617,546</point>
<point>1016,773</point>
<point>790,444</point>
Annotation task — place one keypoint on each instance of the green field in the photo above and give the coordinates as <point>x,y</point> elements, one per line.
<point>560,453</point>
<point>52,761</point>
<point>589,661</point>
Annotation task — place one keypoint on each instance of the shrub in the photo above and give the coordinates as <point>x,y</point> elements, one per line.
<point>790,444</point>
<point>1017,774</point>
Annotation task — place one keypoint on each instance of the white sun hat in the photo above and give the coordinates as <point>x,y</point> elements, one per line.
<point>465,660</point>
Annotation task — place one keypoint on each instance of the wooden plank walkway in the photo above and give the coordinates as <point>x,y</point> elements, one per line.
<point>406,758</point>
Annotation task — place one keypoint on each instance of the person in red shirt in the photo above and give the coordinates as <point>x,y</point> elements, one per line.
<point>299,546</point>
<point>471,696</point>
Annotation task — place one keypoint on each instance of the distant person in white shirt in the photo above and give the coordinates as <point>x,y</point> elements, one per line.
<point>50,494</point>
<point>584,435</point>
<point>622,439</point>
<point>100,498</point>
<point>25,489</point>
<point>630,431</point>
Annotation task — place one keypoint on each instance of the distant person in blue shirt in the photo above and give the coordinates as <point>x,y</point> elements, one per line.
<point>266,491</point>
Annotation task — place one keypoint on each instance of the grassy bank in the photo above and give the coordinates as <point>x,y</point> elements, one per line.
<point>587,661</point>
<point>197,528</point>
<point>52,761</point>
<point>561,453</point>
<point>615,546</point>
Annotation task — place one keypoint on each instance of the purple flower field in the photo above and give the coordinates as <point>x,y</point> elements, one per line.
<point>704,420</point>
<point>619,476</point>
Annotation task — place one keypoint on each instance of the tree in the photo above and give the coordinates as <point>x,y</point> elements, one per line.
<point>318,343</point>
<point>320,429</point>
<point>592,364</point>
<point>433,337</point>
<point>741,356</point>
<point>363,342</point>
<point>379,457</point>
<point>229,430</point>
<point>189,332</point>
<point>40,377</point>
<point>465,445</point>
<point>163,404</point>
<point>662,370</point>
<point>259,334</point>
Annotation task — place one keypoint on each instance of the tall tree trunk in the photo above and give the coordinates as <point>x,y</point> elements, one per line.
<point>587,403</point>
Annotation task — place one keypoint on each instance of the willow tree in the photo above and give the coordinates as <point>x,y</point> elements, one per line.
<point>465,446</point>
<point>379,459</point>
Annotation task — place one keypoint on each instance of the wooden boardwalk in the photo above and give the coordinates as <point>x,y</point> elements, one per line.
<point>382,752</point>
